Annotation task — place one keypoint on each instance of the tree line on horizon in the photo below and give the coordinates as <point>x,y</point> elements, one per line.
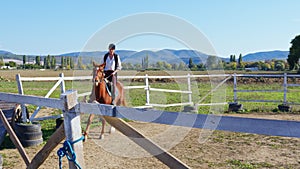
<point>212,63</point>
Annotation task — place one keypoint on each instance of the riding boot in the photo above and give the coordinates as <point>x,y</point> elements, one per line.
<point>113,94</point>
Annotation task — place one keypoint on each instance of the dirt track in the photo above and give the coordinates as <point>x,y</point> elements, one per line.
<point>220,150</point>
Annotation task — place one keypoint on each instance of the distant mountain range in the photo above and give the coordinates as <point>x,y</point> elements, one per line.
<point>262,56</point>
<point>167,55</point>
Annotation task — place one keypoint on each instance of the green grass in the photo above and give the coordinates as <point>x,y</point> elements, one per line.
<point>7,143</point>
<point>137,97</point>
<point>239,164</point>
<point>48,128</point>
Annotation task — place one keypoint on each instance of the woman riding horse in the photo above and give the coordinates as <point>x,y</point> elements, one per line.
<point>112,66</point>
<point>105,77</point>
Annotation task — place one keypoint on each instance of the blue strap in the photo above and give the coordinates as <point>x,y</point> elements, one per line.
<point>68,151</point>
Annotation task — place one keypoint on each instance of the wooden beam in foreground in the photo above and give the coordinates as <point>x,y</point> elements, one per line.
<point>57,137</point>
<point>14,138</point>
<point>154,149</point>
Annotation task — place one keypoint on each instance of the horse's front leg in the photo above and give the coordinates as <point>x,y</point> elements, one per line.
<point>87,129</point>
<point>103,127</point>
<point>112,129</point>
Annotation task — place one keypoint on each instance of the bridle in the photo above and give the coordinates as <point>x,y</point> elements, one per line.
<point>97,78</point>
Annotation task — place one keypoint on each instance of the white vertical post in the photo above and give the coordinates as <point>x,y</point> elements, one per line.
<point>20,86</point>
<point>72,126</point>
<point>234,88</point>
<point>20,90</point>
<point>62,85</point>
<point>284,88</point>
<point>147,89</point>
<point>189,88</point>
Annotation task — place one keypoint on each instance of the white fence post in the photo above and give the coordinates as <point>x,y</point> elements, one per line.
<point>285,88</point>
<point>20,90</point>
<point>147,89</point>
<point>234,88</point>
<point>62,85</point>
<point>189,88</point>
<point>73,126</point>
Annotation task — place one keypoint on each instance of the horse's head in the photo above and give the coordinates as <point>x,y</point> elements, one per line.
<point>99,73</point>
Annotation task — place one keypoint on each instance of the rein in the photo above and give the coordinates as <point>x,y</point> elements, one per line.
<point>105,79</point>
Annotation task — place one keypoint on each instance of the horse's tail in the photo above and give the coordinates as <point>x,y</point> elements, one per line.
<point>123,101</point>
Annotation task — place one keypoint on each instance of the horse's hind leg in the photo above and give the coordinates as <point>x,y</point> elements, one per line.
<point>88,126</point>
<point>123,101</point>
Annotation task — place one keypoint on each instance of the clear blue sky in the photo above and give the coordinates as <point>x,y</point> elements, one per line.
<point>232,26</point>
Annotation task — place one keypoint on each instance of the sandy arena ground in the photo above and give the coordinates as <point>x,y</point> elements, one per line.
<point>220,150</point>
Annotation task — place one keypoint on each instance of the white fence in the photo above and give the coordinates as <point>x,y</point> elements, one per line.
<point>61,82</point>
<point>285,85</point>
<point>147,87</point>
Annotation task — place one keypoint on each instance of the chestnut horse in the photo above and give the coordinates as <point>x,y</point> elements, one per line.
<point>101,95</point>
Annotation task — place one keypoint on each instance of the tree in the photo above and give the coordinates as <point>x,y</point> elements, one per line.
<point>279,65</point>
<point>48,65</point>
<point>232,58</point>
<point>265,66</point>
<point>71,63</point>
<point>137,66</point>
<point>167,66</point>
<point>38,60</point>
<point>145,62</point>
<point>240,60</point>
<point>294,55</point>
<point>45,62</point>
<point>24,60</point>
<point>175,66</point>
<point>62,62</point>
<point>2,61</point>
<point>127,66</point>
<point>79,63</point>
<point>53,62</point>
<point>182,66</point>
<point>213,63</point>
<point>12,64</point>
<point>201,66</point>
<point>159,65</point>
<point>191,64</point>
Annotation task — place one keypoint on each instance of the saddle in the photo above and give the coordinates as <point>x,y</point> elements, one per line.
<point>109,89</point>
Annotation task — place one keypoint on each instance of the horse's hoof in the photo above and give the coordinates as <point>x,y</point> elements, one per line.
<point>101,136</point>
<point>85,135</point>
<point>112,130</point>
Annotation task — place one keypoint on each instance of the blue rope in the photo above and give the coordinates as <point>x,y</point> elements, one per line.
<point>68,151</point>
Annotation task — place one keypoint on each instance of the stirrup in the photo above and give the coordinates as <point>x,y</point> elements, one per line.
<point>113,103</point>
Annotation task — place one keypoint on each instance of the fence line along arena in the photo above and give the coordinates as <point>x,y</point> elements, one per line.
<point>72,108</point>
